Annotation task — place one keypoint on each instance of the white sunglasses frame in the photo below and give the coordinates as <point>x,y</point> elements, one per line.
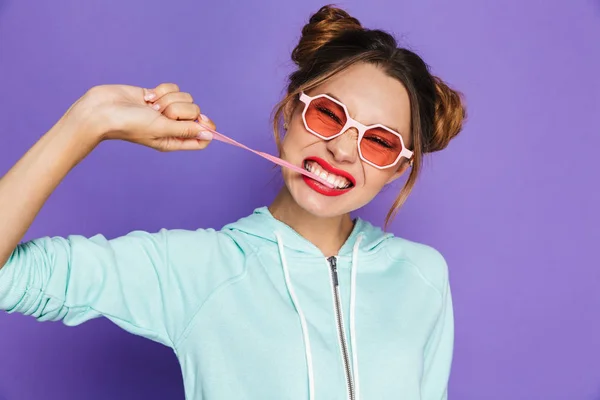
<point>352,123</point>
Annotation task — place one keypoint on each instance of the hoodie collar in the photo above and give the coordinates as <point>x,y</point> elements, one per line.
<point>262,224</point>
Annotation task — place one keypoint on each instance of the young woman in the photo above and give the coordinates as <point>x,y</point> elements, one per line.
<point>297,300</point>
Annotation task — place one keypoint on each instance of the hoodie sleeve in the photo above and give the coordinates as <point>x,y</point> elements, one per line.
<point>148,284</point>
<point>438,353</point>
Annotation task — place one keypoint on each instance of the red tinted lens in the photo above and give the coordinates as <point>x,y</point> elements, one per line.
<point>380,146</point>
<point>325,117</point>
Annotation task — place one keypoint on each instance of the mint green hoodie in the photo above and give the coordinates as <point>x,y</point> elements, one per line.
<point>255,311</point>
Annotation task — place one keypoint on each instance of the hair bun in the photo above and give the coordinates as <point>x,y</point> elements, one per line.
<point>326,24</point>
<point>450,114</point>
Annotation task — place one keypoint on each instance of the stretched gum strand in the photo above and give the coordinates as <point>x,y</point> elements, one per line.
<point>222,138</point>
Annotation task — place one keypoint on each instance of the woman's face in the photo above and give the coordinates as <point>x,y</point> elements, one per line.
<point>371,97</point>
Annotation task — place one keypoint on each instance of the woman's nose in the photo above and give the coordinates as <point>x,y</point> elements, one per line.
<point>344,147</point>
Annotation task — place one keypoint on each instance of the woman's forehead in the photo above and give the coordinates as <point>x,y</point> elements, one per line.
<point>370,95</point>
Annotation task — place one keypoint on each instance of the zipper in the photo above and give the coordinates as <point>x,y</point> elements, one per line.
<point>332,261</point>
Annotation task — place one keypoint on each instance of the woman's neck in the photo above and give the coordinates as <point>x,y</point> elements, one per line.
<point>328,234</point>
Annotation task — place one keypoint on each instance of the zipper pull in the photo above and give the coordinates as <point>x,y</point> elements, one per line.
<point>333,264</point>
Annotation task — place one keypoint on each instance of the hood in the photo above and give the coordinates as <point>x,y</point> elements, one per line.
<point>263,225</point>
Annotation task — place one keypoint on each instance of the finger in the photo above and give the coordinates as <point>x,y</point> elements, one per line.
<point>160,91</point>
<point>169,98</point>
<point>165,127</point>
<point>204,120</point>
<point>149,94</point>
<point>177,144</point>
<point>182,111</point>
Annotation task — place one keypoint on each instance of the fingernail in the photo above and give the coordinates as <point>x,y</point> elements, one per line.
<point>205,135</point>
<point>149,96</point>
<point>204,117</point>
<point>156,106</point>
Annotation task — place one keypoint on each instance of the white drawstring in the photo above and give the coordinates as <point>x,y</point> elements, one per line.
<point>303,325</point>
<point>290,288</point>
<point>352,318</point>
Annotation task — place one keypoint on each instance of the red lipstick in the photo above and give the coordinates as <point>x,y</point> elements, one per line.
<point>322,189</point>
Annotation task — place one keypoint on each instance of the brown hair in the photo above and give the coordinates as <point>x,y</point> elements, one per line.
<point>333,40</point>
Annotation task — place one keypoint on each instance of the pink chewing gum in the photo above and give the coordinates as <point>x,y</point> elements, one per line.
<point>222,138</point>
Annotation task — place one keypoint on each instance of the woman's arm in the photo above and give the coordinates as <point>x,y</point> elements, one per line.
<point>149,284</point>
<point>438,353</point>
<point>28,184</point>
<point>106,112</point>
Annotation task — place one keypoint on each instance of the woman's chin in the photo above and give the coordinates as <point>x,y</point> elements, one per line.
<point>316,203</point>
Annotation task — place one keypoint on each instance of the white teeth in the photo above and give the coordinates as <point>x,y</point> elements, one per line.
<point>338,181</point>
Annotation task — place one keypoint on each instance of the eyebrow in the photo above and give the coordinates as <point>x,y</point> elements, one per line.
<point>335,97</point>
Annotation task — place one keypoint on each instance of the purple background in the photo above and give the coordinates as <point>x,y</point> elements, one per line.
<point>512,203</point>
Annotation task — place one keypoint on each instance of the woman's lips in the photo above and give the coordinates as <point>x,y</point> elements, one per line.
<point>322,189</point>
<point>329,168</point>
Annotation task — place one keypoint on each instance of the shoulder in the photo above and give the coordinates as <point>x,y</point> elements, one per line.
<point>428,262</point>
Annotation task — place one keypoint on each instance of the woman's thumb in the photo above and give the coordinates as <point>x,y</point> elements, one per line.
<point>183,129</point>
